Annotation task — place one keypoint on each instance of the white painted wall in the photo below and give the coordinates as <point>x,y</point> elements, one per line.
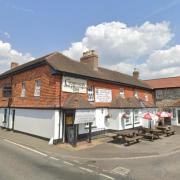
<point>1,116</point>
<point>37,122</point>
<point>100,114</point>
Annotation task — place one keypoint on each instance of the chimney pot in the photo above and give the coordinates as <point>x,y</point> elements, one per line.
<point>14,65</point>
<point>135,74</point>
<point>91,59</point>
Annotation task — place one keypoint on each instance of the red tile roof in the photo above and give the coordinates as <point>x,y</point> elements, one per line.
<point>170,82</point>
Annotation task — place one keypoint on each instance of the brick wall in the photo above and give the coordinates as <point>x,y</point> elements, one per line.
<point>51,94</point>
<point>50,89</point>
<point>129,92</point>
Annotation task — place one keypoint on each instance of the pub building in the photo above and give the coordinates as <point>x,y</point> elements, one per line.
<point>63,100</point>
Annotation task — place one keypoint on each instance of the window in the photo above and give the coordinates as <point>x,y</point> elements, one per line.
<point>90,91</point>
<point>37,90</point>
<point>23,91</point>
<point>146,97</point>
<point>159,94</point>
<point>136,116</point>
<point>7,91</point>
<point>127,117</point>
<point>122,92</point>
<point>136,93</point>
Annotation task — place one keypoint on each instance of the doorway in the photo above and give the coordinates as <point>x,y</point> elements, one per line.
<point>70,130</point>
<point>178,114</point>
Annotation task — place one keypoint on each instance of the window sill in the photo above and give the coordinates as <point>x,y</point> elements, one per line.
<point>128,124</point>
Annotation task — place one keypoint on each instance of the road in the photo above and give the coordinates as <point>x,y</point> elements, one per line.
<point>17,163</point>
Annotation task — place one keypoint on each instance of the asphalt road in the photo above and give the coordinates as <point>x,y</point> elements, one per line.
<point>17,163</point>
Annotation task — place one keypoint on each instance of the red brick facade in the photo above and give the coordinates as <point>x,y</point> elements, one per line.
<point>51,95</point>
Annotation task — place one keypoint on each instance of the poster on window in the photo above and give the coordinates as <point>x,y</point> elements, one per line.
<point>74,85</point>
<point>84,116</point>
<point>103,95</point>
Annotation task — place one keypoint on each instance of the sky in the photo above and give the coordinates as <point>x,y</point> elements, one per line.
<point>125,34</point>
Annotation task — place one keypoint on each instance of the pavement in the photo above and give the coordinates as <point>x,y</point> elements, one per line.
<point>103,148</point>
<point>106,156</point>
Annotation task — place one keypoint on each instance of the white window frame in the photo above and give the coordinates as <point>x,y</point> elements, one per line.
<point>146,97</point>
<point>37,89</point>
<point>136,94</point>
<point>23,90</point>
<point>122,92</point>
<point>128,120</point>
<point>136,116</point>
<point>90,92</point>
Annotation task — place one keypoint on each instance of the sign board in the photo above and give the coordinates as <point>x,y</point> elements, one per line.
<point>84,116</point>
<point>74,85</point>
<point>103,95</point>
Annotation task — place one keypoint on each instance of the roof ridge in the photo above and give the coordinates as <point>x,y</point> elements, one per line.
<point>162,78</point>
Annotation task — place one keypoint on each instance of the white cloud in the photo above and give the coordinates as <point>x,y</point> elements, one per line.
<point>8,55</point>
<point>122,48</point>
<point>116,42</point>
<point>161,63</point>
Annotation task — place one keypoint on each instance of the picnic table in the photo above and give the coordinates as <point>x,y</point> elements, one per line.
<point>149,133</point>
<point>129,135</point>
<point>167,130</point>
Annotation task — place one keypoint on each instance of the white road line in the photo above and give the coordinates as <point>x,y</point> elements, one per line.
<point>91,165</point>
<point>54,158</point>
<point>25,147</point>
<point>68,163</point>
<point>106,176</point>
<point>85,169</point>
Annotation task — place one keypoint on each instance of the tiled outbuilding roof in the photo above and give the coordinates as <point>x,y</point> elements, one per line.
<point>76,101</point>
<point>132,102</point>
<point>170,82</point>
<point>65,65</point>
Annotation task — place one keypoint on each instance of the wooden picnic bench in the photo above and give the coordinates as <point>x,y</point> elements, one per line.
<point>129,140</point>
<point>149,133</point>
<point>167,130</point>
<point>128,136</point>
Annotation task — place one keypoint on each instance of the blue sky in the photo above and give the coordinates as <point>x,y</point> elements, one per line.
<point>43,26</point>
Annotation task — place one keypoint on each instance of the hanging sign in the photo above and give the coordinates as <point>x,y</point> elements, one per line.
<point>84,116</point>
<point>74,85</point>
<point>103,95</point>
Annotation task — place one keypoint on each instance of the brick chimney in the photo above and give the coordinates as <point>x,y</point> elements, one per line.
<point>135,74</point>
<point>91,59</point>
<point>14,64</point>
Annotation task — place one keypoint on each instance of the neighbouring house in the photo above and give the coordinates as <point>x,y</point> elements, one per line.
<point>167,96</point>
<point>57,97</point>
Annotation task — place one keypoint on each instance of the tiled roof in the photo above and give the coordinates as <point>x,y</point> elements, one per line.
<point>170,82</point>
<point>132,102</point>
<point>76,101</point>
<point>168,103</point>
<point>64,64</point>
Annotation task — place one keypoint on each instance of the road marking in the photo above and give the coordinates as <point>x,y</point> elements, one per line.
<point>121,170</point>
<point>85,169</point>
<point>54,158</point>
<point>91,165</point>
<point>106,176</point>
<point>25,147</point>
<point>68,163</point>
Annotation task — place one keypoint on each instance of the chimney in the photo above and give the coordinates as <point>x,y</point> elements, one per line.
<point>135,74</point>
<point>14,65</point>
<point>91,59</point>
